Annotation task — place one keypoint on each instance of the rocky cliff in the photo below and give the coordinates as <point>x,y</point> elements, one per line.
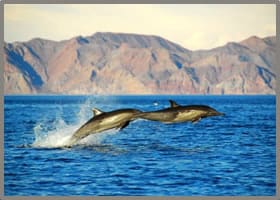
<point>115,63</point>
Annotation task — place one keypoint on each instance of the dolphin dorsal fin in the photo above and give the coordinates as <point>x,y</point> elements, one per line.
<point>96,112</point>
<point>173,104</point>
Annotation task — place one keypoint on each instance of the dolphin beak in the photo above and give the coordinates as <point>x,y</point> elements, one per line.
<point>216,113</point>
<point>220,114</point>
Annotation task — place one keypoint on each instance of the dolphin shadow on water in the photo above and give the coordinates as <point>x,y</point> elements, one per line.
<point>102,121</point>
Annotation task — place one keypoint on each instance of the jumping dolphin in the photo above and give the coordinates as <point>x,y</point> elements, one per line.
<point>177,113</point>
<point>102,121</point>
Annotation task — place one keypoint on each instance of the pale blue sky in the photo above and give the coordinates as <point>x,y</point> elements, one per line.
<point>194,26</point>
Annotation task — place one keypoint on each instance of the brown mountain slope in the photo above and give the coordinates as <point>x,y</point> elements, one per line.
<point>115,63</point>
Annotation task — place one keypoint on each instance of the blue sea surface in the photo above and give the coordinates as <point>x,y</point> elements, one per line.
<point>231,155</point>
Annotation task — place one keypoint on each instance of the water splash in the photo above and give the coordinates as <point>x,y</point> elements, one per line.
<point>58,133</point>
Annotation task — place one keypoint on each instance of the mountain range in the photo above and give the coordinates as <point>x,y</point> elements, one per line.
<point>119,63</point>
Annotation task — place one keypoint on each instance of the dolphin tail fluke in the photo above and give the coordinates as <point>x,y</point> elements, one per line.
<point>158,116</point>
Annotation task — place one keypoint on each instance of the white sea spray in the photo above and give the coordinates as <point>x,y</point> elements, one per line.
<point>58,133</point>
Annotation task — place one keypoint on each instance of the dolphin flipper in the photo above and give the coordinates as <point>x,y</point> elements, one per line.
<point>196,120</point>
<point>122,126</point>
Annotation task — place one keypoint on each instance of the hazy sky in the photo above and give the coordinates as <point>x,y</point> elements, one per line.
<point>200,26</point>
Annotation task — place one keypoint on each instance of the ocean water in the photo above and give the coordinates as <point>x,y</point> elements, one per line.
<point>231,155</point>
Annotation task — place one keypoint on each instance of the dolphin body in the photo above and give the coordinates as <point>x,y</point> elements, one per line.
<point>177,113</point>
<point>102,121</point>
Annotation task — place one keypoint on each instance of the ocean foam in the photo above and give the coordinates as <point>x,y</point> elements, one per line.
<point>58,133</point>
